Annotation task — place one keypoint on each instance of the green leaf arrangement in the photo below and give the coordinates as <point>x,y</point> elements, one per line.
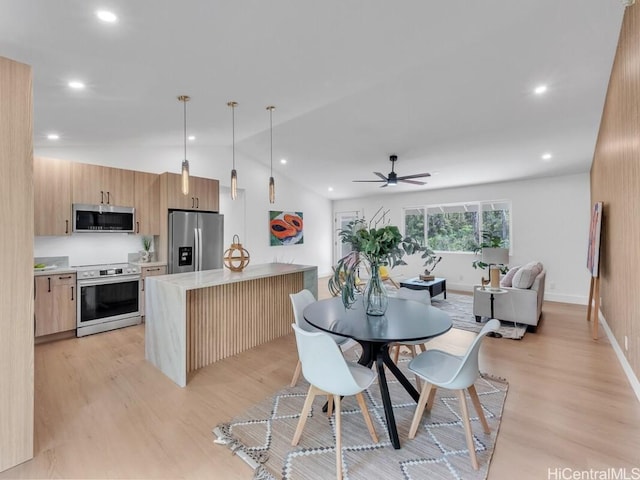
<point>376,247</point>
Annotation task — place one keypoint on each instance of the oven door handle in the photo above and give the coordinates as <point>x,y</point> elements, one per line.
<point>89,282</point>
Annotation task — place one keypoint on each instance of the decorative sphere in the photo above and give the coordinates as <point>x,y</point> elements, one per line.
<point>236,257</point>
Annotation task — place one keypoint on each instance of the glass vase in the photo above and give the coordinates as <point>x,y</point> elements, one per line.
<point>375,298</point>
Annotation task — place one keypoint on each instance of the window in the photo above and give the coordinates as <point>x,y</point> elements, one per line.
<point>457,227</point>
<point>414,224</point>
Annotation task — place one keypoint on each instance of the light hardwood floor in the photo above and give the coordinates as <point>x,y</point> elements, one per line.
<point>102,411</point>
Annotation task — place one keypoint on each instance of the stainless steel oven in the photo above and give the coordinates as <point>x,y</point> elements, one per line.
<point>108,298</point>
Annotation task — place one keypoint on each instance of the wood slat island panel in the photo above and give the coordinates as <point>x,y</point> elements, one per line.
<point>195,319</point>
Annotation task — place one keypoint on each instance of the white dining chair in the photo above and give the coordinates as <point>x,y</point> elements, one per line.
<point>299,301</point>
<point>440,369</point>
<point>328,373</point>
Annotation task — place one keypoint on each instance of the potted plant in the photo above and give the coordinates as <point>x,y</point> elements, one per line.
<point>371,247</point>
<point>145,255</point>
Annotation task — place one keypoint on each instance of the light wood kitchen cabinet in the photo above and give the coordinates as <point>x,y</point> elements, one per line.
<point>55,303</point>
<point>149,272</point>
<point>203,193</point>
<point>95,185</point>
<point>147,203</point>
<point>51,196</point>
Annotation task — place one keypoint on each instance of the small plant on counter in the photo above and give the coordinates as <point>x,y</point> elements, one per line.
<point>146,243</point>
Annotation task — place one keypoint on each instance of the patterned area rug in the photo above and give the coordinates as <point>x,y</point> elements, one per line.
<point>460,308</point>
<point>262,436</point>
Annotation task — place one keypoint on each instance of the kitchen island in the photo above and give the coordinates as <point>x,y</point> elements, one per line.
<point>195,319</point>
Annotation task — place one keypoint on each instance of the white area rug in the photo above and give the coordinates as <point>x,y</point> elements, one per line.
<point>262,436</point>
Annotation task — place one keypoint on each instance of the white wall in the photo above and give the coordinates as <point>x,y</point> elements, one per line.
<point>247,216</point>
<point>550,221</point>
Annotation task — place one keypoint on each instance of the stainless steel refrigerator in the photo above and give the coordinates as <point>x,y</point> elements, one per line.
<point>195,241</point>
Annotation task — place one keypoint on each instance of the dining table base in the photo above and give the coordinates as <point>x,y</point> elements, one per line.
<point>379,353</point>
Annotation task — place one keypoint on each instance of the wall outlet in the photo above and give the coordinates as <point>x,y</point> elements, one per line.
<point>552,285</point>
<point>461,277</point>
<point>626,343</point>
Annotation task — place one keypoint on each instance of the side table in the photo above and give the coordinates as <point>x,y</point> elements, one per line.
<point>492,292</point>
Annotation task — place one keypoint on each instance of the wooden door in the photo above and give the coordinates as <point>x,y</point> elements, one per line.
<point>55,304</point>
<point>16,264</point>
<point>118,183</point>
<point>96,185</point>
<point>175,198</point>
<point>87,184</point>
<point>52,196</point>
<point>147,202</point>
<point>206,192</point>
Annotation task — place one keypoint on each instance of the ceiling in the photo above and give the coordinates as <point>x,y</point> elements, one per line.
<point>447,86</point>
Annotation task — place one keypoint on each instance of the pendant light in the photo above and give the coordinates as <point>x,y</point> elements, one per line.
<point>185,163</point>
<point>234,175</point>
<point>272,183</point>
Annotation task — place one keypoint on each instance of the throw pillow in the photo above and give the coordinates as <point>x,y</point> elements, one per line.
<point>526,275</point>
<point>507,281</point>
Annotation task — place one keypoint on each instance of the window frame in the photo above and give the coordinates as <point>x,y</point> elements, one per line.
<point>478,204</point>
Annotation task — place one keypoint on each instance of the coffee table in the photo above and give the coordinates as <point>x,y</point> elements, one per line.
<point>435,286</point>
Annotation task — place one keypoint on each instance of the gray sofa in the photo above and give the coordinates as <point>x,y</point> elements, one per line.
<point>520,305</point>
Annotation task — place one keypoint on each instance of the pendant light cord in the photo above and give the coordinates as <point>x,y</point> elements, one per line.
<point>271,130</point>
<point>233,135</point>
<point>185,128</point>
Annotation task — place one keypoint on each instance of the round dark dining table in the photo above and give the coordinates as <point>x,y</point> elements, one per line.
<point>404,320</point>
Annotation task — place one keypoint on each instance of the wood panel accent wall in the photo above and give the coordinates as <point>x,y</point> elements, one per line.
<point>228,319</point>
<point>16,264</point>
<point>615,180</point>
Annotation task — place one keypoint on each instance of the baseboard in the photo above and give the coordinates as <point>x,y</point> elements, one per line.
<point>633,380</point>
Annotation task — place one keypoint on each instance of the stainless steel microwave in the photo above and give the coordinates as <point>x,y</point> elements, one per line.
<point>103,218</point>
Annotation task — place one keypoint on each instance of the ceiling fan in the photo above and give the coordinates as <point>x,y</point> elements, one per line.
<point>393,177</point>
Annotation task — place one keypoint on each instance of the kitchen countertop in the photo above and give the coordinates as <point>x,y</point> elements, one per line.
<point>54,271</point>
<point>221,276</point>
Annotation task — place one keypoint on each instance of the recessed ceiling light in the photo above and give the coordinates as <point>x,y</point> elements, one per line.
<point>76,85</point>
<point>191,137</point>
<point>53,136</point>
<point>106,16</point>
<point>540,89</point>
<point>330,189</point>
<point>283,161</point>
<point>546,156</point>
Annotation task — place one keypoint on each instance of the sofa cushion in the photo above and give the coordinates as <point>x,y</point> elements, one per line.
<point>507,280</point>
<point>526,275</point>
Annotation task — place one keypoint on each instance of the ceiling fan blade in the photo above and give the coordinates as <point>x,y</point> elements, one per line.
<point>414,182</point>
<point>385,185</point>
<point>375,181</point>
<point>381,176</point>
<point>416,175</point>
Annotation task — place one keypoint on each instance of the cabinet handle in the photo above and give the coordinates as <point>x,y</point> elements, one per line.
<point>108,198</point>
<point>101,196</point>
<point>137,227</point>
<point>66,226</point>
<point>193,202</point>
<point>72,293</point>
<point>197,202</point>
<point>142,284</point>
<point>64,278</point>
<point>153,269</point>
<point>49,282</point>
